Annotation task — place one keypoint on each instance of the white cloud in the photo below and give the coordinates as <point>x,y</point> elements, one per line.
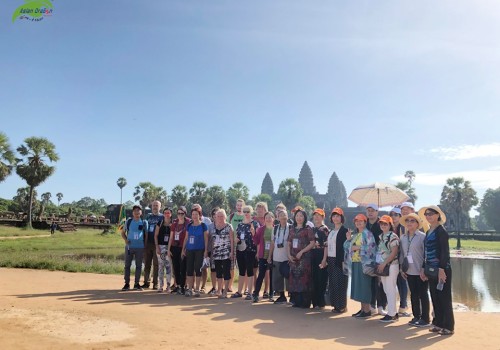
<point>480,179</point>
<point>467,151</point>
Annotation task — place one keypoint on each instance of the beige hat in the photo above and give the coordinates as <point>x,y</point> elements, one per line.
<point>434,208</point>
<point>414,216</point>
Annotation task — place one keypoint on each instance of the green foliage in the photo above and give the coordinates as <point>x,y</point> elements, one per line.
<point>32,167</point>
<point>179,196</point>
<point>458,198</point>
<point>197,195</point>
<point>407,186</point>
<point>308,203</point>
<point>21,200</point>
<point>263,197</point>
<point>490,207</point>
<point>215,197</point>
<point>290,192</point>
<point>7,158</point>
<point>146,193</point>
<point>236,191</point>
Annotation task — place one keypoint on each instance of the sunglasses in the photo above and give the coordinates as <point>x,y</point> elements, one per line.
<point>181,213</point>
<point>394,214</point>
<point>428,213</point>
<point>246,212</point>
<point>410,221</point>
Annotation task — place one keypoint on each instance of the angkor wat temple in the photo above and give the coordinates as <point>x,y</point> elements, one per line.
<point>335,196</point>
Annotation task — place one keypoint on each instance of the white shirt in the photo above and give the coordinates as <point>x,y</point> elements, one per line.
<point>280,254</point>
<point>332,243</point>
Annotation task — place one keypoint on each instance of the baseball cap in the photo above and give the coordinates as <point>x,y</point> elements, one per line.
<point>373,206</point>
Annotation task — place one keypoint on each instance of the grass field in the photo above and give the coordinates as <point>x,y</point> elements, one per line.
<point>82,251</point>
<point>89,250</point>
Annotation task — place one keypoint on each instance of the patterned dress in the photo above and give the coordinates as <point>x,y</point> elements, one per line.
<point>300,271</point>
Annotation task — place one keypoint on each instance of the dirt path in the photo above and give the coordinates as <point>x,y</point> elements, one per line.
<point>59,310</point>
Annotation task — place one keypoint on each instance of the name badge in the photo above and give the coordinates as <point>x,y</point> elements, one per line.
<point>136,236</point>
<point>217,240</point>
<point>295,243</point>
<point>242,236</point>
<point>165,239</point>
<point>152,228</point>
<point>191,240</point>
<point>410,259</point>
<point>379,258</point>
<point>268,245</point>
<point>176,237</point>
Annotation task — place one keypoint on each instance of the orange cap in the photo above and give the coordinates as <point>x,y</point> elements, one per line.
<point>387,219</point>
<point>319,211</point>
<point>360,217</point>
<point>297,208</point>
<point>338,211</point>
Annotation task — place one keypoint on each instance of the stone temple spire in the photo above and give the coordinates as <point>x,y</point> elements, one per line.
<point>306,180</point>
<point>267,185</point>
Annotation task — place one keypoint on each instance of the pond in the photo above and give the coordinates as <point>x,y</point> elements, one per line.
<point>476,283</point>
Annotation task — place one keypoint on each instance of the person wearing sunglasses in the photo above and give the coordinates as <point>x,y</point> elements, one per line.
<point>175,244</point>
<point>399,230</point>
<point>246,251</point>
<point>411,259</point>
<point>437,256</point>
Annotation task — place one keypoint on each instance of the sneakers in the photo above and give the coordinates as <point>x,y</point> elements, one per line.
<point>246,292</point>
<point>202,290</point>
<point>248,297</point>
<point>363,315</point>
<point>445,331</point>
<point>160,290</point>
<point>357,313</point>
<point>265,295</point>
<point>236,295</point>
<point>388,319</point>
<point>181,291</point>
<point>413,321</point>
<point>339,311</point>
<point>196,294</point>
<point>255,299</point>
<point>421,323</point>
<point>188,293</point>
<point>381,311</point>
<point>280,300</point>
<point>212,291</point>
<point>126,287</point>
<point>137,286</point>
<point>145,285</point>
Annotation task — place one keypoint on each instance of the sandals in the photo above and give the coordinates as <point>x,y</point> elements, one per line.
<point>435,329</point>
<point>445,331</point>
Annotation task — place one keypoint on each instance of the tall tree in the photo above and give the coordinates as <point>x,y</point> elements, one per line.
<point>263,197</point>
<point>458,198</point>
<point>289,192</point>
<point>121,182</point>
<point>236,191</point>
<point>7,158</point>
<point>146,193</point>
<point>490,207</point>
<point>22,199</point>
<point>215,197</point>
<point>179,196</point>
<point>59,196</point>
<point>197,194</point>
<point>33,167</point>
<point>44,202</point>
<point>407,186</point>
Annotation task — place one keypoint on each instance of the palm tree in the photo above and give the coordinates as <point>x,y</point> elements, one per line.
<point>59,196</point>
<point>121,182</point>
<point>45,200</point>
<point>289,192</point>
<point>145,193</point>
<point>458,197</point>
<point>7,159</point>
<point>410,176</point>
<point>33,166</point>
<point>179,196</point>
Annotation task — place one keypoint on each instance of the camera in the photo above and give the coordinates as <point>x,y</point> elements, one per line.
<point>280,245</point>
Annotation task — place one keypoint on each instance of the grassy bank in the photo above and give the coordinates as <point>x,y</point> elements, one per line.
<point>82,251</point>
<point>11,231</point>
<point>473,246</point>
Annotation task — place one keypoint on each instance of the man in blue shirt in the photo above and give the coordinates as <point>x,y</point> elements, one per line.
<point>150,257</point>
<point>133,235</point>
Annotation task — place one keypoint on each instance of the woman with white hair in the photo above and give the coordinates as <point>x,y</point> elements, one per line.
<point>222,251</point>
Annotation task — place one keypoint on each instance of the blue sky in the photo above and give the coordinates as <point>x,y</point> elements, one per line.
<point>222,91</point>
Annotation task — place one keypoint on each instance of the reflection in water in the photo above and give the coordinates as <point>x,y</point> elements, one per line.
<point>475,283</point>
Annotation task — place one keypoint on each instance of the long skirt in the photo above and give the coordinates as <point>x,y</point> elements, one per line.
<point>360,284</point>
<point>337,285</point>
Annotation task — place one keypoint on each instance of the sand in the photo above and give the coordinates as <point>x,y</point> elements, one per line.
<point>60,310</point>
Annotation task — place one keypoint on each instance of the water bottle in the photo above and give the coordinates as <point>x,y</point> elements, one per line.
<point>440,285</point>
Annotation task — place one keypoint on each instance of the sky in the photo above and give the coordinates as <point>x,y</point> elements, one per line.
<point>174,92</point>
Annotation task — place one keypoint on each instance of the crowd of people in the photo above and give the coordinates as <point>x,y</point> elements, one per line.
<point>300,262</point>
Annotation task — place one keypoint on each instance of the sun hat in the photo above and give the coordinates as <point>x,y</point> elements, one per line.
<point>360,217</point>
<point>319,211</point>
<point>387,219</point>
<point>373,206</point>
<point>412,216</point>
<point>433,208</point>
<point>407,204</point>
<point>395,210</point>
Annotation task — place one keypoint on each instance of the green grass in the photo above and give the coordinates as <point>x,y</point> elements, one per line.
<point>473,246</point>
<point>82,251</point>
<point>11,231</point>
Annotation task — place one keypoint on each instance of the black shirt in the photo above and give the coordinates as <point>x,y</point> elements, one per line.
<point>163,234</point>
<point>375,229</point>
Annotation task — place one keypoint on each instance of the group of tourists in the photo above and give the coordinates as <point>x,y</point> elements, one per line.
<point>299,262</point>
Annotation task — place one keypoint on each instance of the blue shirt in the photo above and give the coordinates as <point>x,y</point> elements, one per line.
<point>196,240</point>
<point>135,233</point>
<point>153,220</point>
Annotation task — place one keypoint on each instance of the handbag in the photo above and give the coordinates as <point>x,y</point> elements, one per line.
<point>431,272</point>
<point>369,269</point>
<point>385,271</point>
<point>405,265</point>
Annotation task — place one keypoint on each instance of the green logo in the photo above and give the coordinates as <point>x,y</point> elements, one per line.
<point>33,10</point>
